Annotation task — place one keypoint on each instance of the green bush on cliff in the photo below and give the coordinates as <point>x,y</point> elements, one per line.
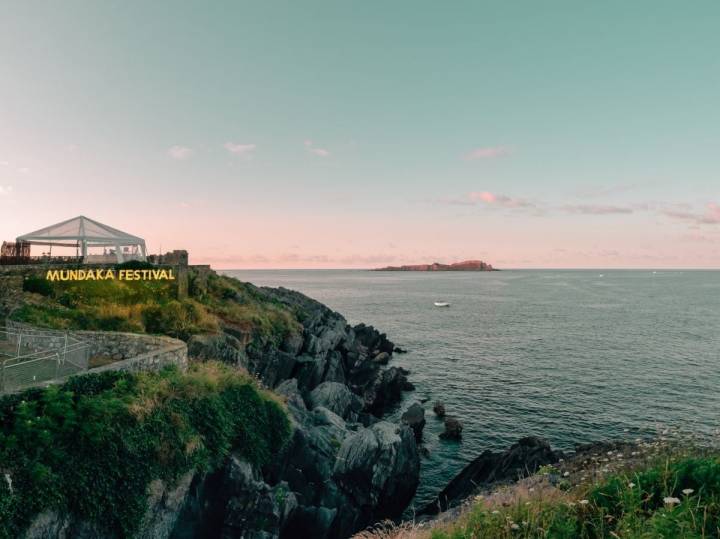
<point>154,307</point>
<point>92,446</point>
<point>675,498</point>
<point>37,285</point>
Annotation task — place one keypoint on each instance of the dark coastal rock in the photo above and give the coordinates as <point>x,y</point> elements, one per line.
<point>164,503</point>
<point>336,397</point>
<point>372,339</point>
<point>253,508</point>
<point>379,469</point>
<point>439,408</point>
<point>222,347</point>
<point>343,467</point>
<point>453,429</point>
<point>335,352</point>
<point>399,350</point>
<point>386,389</point>
<point>271,364</point>
<point>324,458</point>
<point>521,459</point>
<point>414,417</point>
<point>289,390</point>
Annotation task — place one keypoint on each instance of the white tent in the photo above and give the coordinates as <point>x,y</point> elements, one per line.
<point>84,233</point>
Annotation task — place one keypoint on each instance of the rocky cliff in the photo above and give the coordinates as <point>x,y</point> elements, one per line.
<point>344,467</point>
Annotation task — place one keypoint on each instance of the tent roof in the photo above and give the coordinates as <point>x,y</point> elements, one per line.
<point>82,229</point>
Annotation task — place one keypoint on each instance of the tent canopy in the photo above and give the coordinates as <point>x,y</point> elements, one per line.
<point>85,232</point>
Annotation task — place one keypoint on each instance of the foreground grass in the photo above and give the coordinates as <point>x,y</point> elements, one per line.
<point>676,497</point>
<point>153,307</point>
<point>92,446</point>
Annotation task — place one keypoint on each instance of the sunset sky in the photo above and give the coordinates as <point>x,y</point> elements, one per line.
<point>332,134</point>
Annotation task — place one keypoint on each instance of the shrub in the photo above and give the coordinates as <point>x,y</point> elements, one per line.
<point>92,446</point>
<point>177,319</point>
<point>37,285</point>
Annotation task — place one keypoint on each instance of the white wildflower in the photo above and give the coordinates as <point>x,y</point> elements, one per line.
<point>583,502</point>
<point>687,491</point>
<point>631,485</point>
<point>566,474</point>
<point>514,526</point>
<point>670,500</point>
<point>496,512</point>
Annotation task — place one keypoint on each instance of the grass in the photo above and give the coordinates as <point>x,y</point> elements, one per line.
<point>92,446</point>
<point>673,496</point>
<point>153,307</point>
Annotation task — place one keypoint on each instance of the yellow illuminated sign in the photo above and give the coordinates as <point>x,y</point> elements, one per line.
<point>110,274</point>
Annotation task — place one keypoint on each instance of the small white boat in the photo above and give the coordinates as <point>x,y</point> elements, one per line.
<point>442,304</point>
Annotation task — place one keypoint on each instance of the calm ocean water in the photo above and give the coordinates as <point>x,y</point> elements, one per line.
<point>573,356</point>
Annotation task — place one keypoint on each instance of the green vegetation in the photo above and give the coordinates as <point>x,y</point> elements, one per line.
<point>675,498</point>
<point>92,446</point>
<point>153,307</point>
<point>37,285</point>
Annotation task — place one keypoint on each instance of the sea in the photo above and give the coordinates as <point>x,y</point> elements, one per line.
<point>574,356</point>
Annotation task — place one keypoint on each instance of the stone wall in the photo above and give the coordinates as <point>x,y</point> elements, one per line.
<point>129,351</point>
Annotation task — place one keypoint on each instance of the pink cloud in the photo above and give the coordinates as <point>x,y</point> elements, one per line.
<point>494,199</point>
<point>485,196</point>
<point>711,215</point>
<point>240,149</point>
<point>487,152</point>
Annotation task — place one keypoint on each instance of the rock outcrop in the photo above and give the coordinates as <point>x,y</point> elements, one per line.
<point>344,476</point>
<point>378,467</point>
<point>414,417</point>
<point>344,468</point>
<point>328,350</point>
<point>337,398</point>
<point>453,428</point>
<point>521,459</point>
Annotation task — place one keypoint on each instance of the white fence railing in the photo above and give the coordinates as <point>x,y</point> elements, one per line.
<point>32,356</point>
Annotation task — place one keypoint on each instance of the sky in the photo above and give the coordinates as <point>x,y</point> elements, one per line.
<point>341,134</point>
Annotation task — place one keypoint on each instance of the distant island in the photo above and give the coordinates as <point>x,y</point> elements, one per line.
<point>465,265</point>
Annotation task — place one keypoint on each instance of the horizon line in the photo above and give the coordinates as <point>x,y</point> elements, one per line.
<point>573,268</point>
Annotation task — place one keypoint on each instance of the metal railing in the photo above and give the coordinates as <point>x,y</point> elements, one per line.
<point>29,357</point>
